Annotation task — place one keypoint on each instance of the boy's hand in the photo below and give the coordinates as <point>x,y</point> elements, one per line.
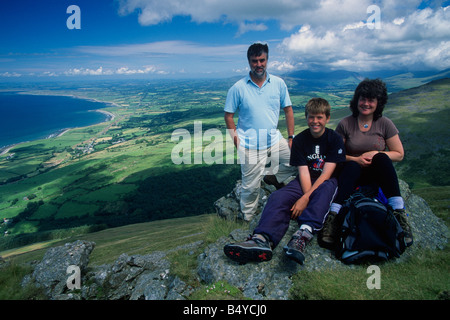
<point>298,207</point>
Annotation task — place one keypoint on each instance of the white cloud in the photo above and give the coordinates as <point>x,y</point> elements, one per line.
<point>288,12</point>
<point>49,74</point>
<point>155,11</point>
<point>100,71</point>
<point>246,27</point>
<point>398,21</point>
<point>87,71</point>
<point>306,41</point>
<point>417,40</point>
<point>281,66</point>
<point>357,25</point>
<point>144,70</point>
<point>333,33</point>
<point>164,48</point>
<point>10,74</point>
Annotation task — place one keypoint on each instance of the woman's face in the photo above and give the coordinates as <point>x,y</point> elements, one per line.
<point>367,106</point>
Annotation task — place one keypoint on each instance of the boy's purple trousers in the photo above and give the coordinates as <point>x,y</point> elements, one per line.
<point>276,215</point>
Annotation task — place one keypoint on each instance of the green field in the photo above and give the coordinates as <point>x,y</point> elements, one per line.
<point>114,182</point>
<point>121,171</point>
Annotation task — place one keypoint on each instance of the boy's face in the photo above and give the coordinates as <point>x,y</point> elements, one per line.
<point>317,123</point>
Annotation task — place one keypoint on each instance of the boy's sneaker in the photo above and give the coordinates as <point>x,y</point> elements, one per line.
<point>254,249</point>
<point>296,246</point>
<point>329,232</point>
<point>400,215</point>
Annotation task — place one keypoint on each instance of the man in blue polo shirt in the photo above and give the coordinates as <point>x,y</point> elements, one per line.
<point>259,97</point>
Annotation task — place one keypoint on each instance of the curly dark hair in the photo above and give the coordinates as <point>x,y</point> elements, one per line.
<point>370,89</point>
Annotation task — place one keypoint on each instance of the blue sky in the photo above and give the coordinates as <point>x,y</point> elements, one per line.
<point>209,38</point>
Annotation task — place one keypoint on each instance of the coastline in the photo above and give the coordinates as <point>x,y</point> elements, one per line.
<point>5,149</point>
<point>109,117</point>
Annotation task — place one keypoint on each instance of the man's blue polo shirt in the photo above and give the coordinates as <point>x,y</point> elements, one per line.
<point>259,110</point>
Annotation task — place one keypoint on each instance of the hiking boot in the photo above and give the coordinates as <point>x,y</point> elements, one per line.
<point>296,246</point>
<point>255,249</point>
<point>330,231</point>
<point>400,215</point>
<point>272,180</point>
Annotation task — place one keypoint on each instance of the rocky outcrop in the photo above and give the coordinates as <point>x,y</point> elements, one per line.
<point>51,273</point>
<point>271,280</point>
<point>149,276</point>
<point>137,277</point>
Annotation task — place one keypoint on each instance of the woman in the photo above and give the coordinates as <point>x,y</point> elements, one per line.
<point>372,145</point>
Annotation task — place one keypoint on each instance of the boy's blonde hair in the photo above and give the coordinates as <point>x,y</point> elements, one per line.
<point>318,105</point>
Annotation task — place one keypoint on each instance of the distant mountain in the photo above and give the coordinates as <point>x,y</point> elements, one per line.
<point>408,80</point>
<point>306,80</point>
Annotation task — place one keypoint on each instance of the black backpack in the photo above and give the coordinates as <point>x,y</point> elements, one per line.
<point>369,232</point>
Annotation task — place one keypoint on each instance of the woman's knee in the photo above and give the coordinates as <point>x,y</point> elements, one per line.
<point>382,160</point>
<point>381,157</point>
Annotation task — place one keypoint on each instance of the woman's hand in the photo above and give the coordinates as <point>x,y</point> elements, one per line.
<point>365,159</point>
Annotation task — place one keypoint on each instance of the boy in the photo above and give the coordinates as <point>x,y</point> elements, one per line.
<point>316,152</point>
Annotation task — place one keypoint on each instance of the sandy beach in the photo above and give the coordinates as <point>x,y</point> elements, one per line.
<point>6,149</point>
<point>111,115</point>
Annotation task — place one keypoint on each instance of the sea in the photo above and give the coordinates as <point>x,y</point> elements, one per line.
<point>25,117</point>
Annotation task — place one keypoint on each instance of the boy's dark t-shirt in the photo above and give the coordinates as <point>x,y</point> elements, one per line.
<point>314,152</point>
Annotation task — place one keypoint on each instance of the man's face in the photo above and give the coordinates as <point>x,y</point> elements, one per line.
<point>258,65</point>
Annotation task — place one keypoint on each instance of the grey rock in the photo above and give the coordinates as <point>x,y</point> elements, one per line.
<point>228,207</point>
<point>272,279</point>
<point>51,273</point>
<point>136,277</point>
<point>149,277</point>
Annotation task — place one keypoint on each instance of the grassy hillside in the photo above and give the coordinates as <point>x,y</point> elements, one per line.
<point>113,173</point>
<point>422,277</point>
<point>55,191</point>
<point>121,172</point>
<point>422,115</point>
